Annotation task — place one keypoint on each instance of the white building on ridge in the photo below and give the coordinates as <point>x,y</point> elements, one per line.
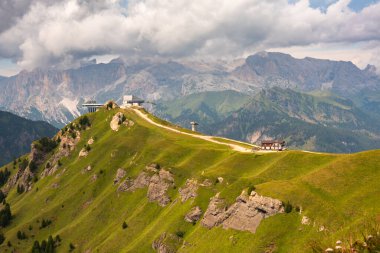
<point>130,100</point>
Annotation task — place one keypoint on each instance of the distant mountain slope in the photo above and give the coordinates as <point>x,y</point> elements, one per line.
<point>308,74</point>
<point>206,108</point>
<point>144,188</point>
<point>16,135</point>
<point>320,122</point>
<point>56,96</point>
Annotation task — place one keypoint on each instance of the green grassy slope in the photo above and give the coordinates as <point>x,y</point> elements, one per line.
<point>336,191</point>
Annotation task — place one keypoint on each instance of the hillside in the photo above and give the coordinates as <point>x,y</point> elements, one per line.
<point>317,121</point>
<point>129,188</point>
<point>16,135</point>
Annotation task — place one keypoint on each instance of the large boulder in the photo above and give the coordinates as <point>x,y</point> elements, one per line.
<point>245,214</point>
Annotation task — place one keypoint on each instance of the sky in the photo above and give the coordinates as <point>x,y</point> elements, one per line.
<point>65,33</point>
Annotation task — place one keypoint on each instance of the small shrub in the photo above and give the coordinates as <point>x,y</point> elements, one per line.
<point>21,235</point>
<point>33,166</point>
<point>20,189</point>
<point>125,225</point>
<point>73,135</point>
<point>9,244</point>
<point>180,234</point>
<point>71,247</point>
<point>251,188</point>
<point>84,122</point>
<point>45,223</point>
<point>30,228</point>
<point>288,207</point>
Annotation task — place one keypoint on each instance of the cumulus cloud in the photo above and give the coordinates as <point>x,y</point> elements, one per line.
<point>61,33</point>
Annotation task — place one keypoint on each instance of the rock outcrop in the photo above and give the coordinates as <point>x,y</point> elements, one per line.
<point>157,180</point>
<point>116,121</point>
<point>189,190</point>
<point>66,146</point>
<point>158,186</point>
<point>167,243</point>
<point>245,214</point>
<point>193,215</point>
<point>83,152</point>
<point>120,173</point>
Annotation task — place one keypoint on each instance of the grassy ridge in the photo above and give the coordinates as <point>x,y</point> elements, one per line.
<point>336,191</point>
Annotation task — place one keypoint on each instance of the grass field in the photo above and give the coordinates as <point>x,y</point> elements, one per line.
<point>339,192</point>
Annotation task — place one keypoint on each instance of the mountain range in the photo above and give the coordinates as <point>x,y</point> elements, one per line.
<point>56,96</point>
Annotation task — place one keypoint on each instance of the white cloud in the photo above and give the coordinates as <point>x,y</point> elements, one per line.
<point>62,33</point>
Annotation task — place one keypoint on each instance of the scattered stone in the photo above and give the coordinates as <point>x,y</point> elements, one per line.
<point>90,141</point>
<point>305,220</point>
<point>245,214</point>
<point>339,242</point>
<point>167,243</point>
<point>194,215</point>
<point>329,250</point>
<point>189,190</point>
<point>94,177</point>
<point>206,183</point>
<point>120,173</point>
<point>321,228</point>
<point>83,153</point>
<point>220,179</point>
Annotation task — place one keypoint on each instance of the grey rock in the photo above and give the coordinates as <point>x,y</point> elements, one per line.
<point>193,215</point>
<point>245,214</point>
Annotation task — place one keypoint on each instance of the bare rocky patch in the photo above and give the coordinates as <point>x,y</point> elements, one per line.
<point>119,119</point>
<point>189,191</point>
<point>193,215</point>
<point>167,243</point>
<point>157,180</point>
<point>245,214</point>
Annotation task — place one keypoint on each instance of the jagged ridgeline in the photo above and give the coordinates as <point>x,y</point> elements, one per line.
<point>112,181</point>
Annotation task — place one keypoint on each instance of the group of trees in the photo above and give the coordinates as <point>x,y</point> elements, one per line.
<point>4,175</point>
<point>45,223</point>
<point>20,189</point>
<point>84,122</point>
<point>5,216</point>
<point>46,246</point>
<point>46,144</point>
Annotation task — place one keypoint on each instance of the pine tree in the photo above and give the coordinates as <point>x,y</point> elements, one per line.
<point>36,247</point>
<point>5,216</point>
<point>2,238</point>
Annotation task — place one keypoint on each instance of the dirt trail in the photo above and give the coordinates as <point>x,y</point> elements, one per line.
<point>203,137</point>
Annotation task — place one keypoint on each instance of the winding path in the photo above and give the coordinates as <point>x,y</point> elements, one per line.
<point>203,137</point>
